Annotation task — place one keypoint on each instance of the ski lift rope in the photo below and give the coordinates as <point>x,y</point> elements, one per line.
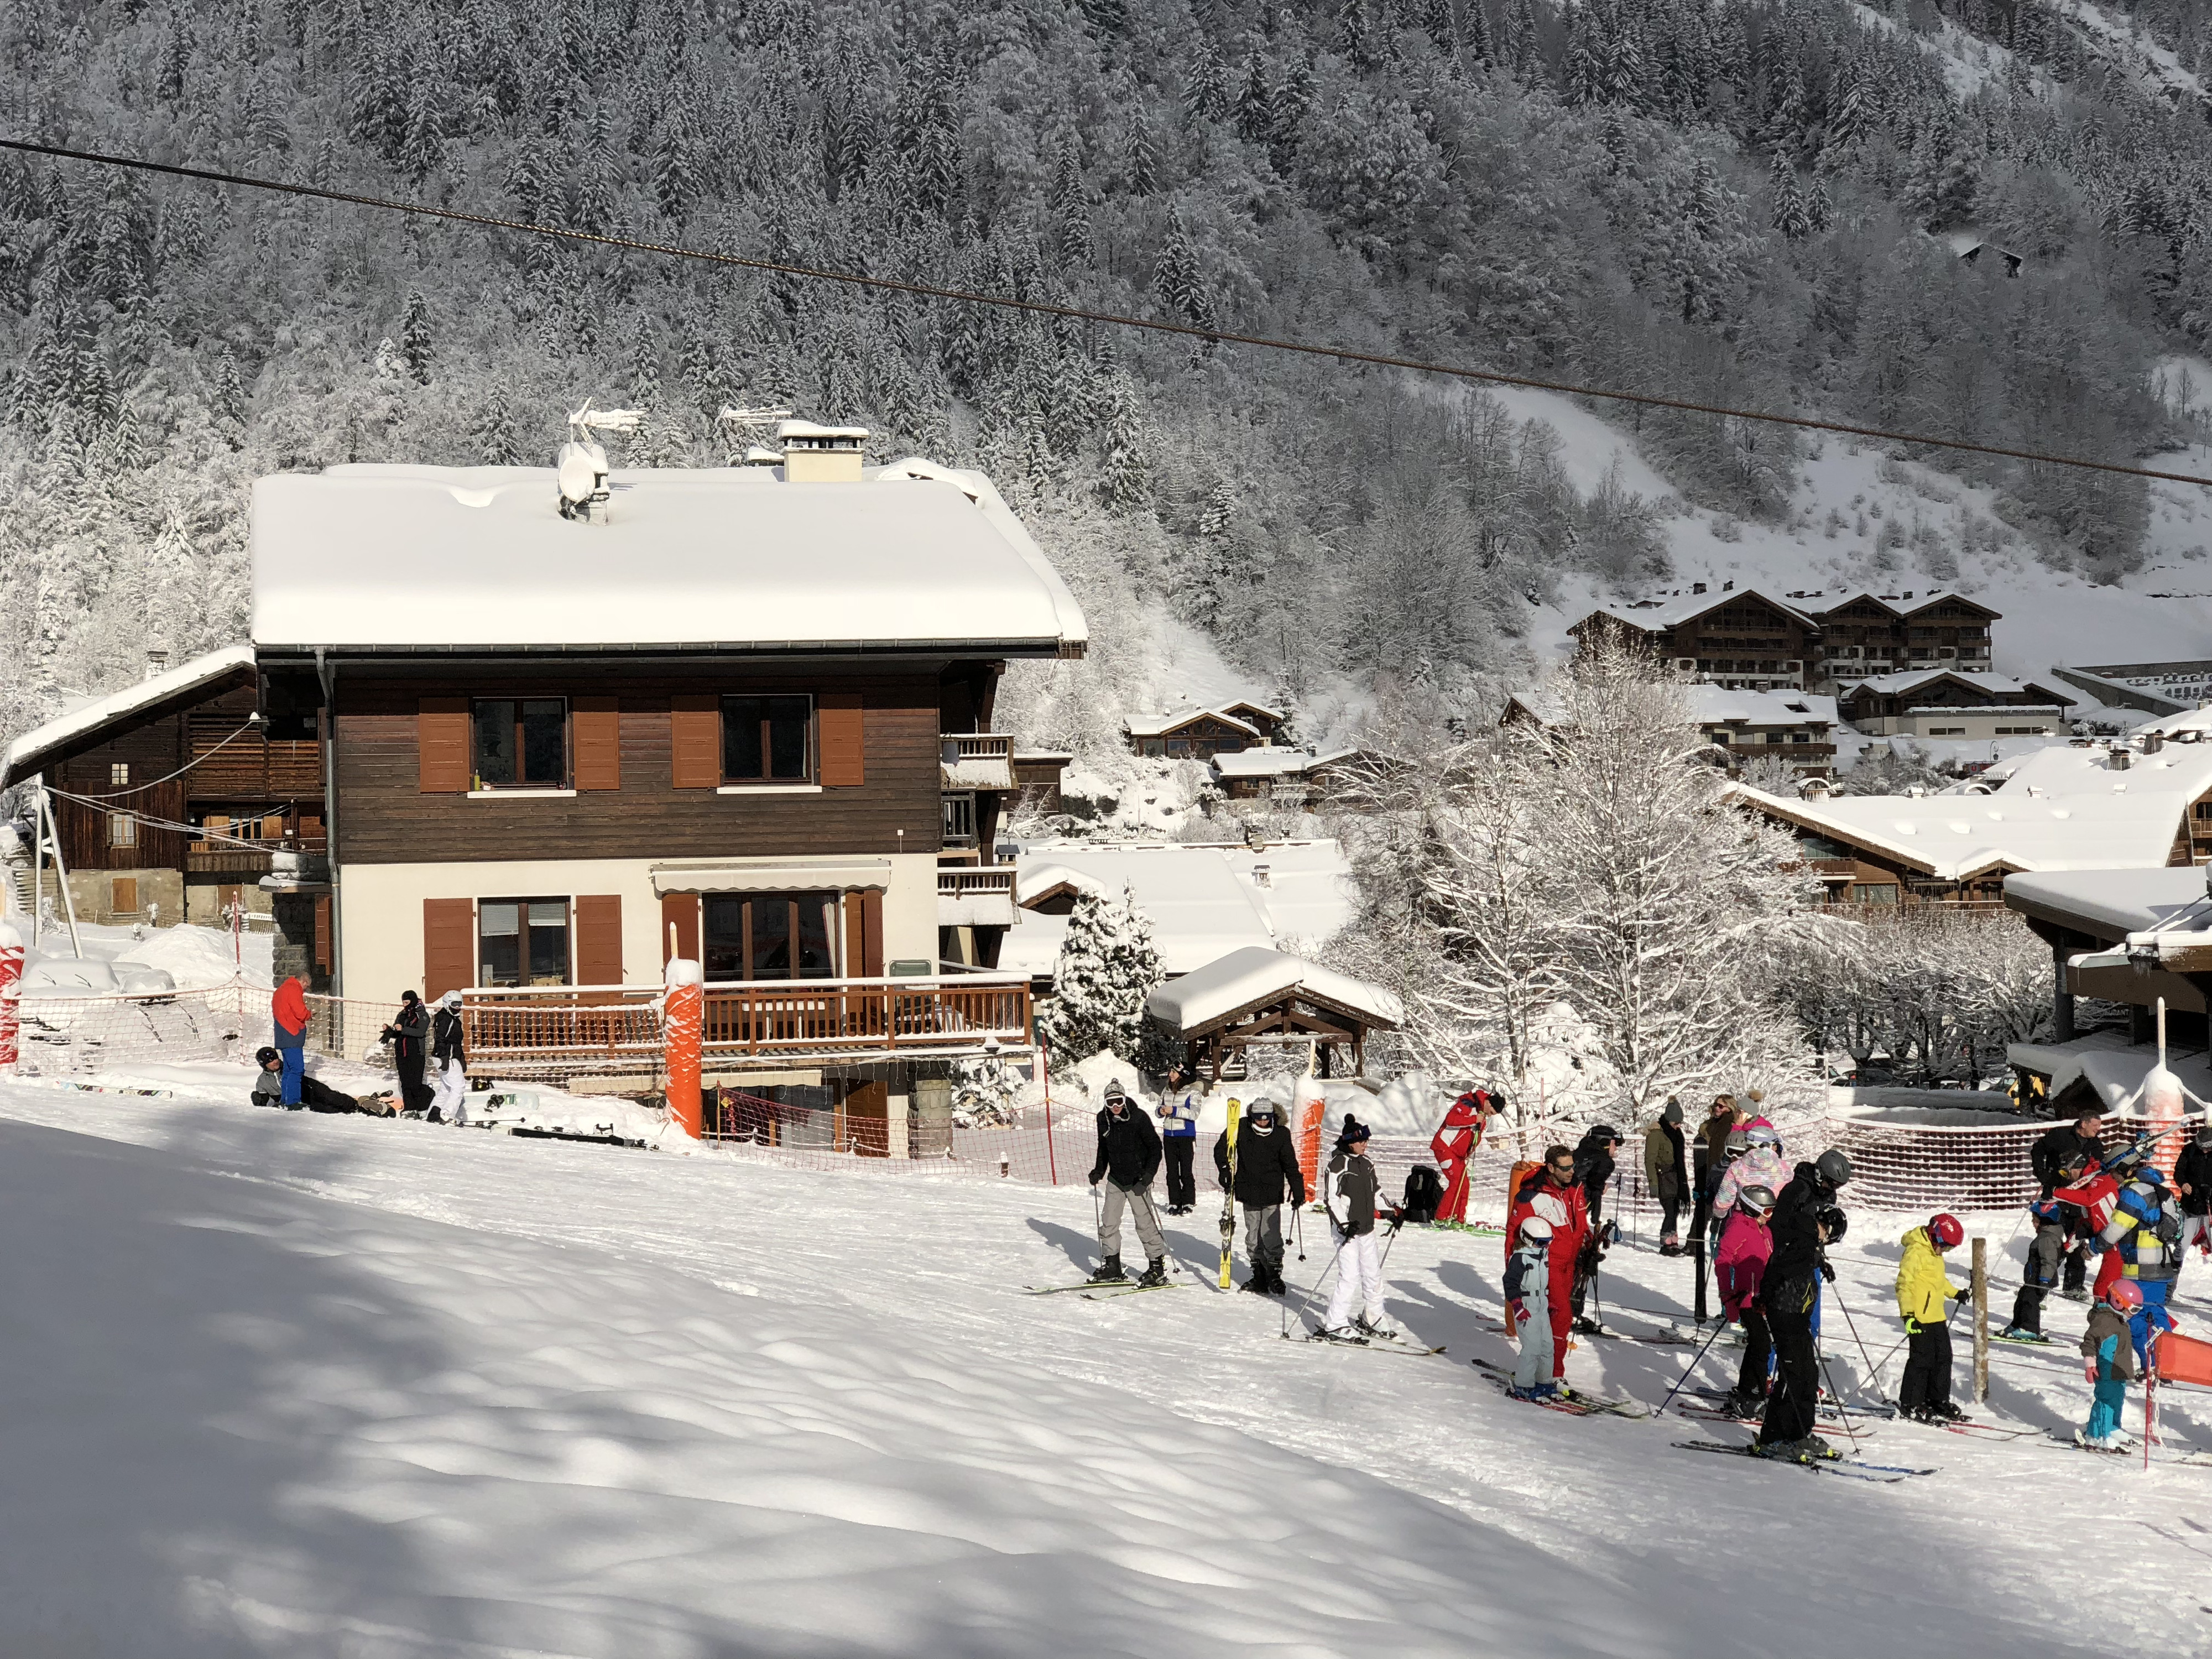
<point>1038,308</point>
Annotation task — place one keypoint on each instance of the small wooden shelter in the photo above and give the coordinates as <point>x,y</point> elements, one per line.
<point>1255,996</point>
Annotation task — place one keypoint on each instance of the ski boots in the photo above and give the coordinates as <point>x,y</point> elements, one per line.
<point>1811,1450</point>
<point>1583,1325</point>
<point>1376,1333</point>
<point>1737,1403</point>
<point>1257,1284</point>
<point>1274,1286</point>
<point>1944,1412</point>
<point>1155,1274</point>
<point>2021,1334</point>
<point>1535,1396</point>
<point>1109,1271</point>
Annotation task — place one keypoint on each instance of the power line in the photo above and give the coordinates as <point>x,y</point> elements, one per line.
<point>1042,308</point>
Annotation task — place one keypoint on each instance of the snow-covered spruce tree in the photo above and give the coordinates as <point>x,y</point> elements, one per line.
<point>1108,966</point>
<point>1672,902</point>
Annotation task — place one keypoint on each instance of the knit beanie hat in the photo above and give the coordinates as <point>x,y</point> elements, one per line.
<point>1352,1133</point>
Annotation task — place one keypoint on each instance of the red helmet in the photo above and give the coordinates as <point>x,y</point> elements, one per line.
<point>2124,1293</point>
<point>1945,1231</point>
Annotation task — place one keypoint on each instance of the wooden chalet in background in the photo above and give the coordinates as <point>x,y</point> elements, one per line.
<point>1953,704</point>
<point>1202,733</point>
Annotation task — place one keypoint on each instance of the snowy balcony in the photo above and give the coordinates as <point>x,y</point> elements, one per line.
<point>976,898</point>
<point>977,760</point>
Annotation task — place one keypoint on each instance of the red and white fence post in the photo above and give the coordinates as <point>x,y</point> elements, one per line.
<point>11,991</point>
<point>683,1031</point>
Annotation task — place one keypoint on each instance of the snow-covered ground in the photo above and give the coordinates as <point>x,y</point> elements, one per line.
<point>288,1385</point>
<point>195,958</point>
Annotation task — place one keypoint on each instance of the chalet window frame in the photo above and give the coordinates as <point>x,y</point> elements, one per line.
<point>526,970</point>
<point>118,774</point>
<point>958,808</point>
<point>122,830</point>
<point>809,772</point>
<point>715,933</point>
<point>521,783</point>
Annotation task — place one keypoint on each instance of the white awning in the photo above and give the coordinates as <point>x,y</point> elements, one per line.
<point>771,876</point>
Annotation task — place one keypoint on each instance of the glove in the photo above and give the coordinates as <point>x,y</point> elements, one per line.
<point>1913,1328</point>
<point>1827,1271</point>
<point>1965,1292</point>
<point>1519,1310</point>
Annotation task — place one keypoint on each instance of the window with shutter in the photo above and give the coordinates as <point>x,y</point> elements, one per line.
<point>595,725</point>
<point>441,739</point>
<point>598,938</point>
<point>324,956</point>
<point>694,740</point>
<point>841,729</point>
<point>449,946</point>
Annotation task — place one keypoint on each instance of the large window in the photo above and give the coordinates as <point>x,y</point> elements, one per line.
<point>768,739</point>
<point>769,935</point>
<point>959,820</point>
<point>522,942</point>
<point>521,743</point>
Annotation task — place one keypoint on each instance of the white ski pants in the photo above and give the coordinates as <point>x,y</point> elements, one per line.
<point>1534,1368</point>
<point>1358,1282</point>
<point>451,1091</point>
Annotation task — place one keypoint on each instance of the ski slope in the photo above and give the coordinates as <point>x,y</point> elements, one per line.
<point>280,1384</point>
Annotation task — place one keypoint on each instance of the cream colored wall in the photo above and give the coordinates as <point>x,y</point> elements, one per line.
<point>380,911</point>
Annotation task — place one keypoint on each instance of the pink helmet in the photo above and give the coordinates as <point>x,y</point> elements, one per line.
<point>2124,1293</point>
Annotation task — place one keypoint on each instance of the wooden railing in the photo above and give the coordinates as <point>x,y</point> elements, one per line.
<point>981,745</point>
<point>996,879</point>
<point>581,1028</point>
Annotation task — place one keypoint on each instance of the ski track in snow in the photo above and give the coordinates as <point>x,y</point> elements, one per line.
<point>313,1386</point>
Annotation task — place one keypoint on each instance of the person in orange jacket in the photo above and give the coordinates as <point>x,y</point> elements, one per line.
<point>288,1009</point>
<point>1454,1147</point>
<point>1554,1193</point>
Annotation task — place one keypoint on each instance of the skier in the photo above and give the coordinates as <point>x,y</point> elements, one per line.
<point>1665,1172</point>
<point>1805,1220</point>
<point>288,1011</point>
<point>1738,1271</point>
<point>2111,1363</point>
<point>1759,1163</point>
<point>315,1095</point>
<point>1553,1193</point>
<point>1528,1291</point>
<point>407,1036</point>
<point>449,1060</point>
<point>1454,1145</point>
<point>1266,1169</point>
<point>1178,1115</point>
<point>1348,1188</point>
<point>2192,1184</point>
<point>2142,1243</point>
<point>2078,1145</point>
<point>1593,1167</point>
<point>2061,1233</point>
<point>1128,1158</point>
<point>1923,1292</point>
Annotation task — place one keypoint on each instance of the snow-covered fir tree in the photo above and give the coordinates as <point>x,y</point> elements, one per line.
<point>1108,965</point>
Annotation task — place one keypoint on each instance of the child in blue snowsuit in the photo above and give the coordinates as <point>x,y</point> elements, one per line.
<point>1528,1293</point>
<point>2145,1233</point>
<point>2111,1355</point>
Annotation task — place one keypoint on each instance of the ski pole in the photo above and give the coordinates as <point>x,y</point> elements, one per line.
<point>1860,1340</point>
<point>1695,1359</point>
<point>1843,1416</point>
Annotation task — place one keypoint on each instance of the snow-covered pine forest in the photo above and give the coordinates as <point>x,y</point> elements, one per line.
<point>1729,202</point>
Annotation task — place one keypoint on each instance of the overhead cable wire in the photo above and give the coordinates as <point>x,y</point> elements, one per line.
<point>1046,308</point>
<point>141,788</point>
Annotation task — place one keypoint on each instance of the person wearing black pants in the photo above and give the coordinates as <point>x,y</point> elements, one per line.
<point>1793,1402</point>
<point>1178,1115</point>
<point>1805,1220</point>
<point>409,1036</point>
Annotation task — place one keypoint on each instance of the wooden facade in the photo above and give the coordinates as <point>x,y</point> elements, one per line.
<point>1868,635</point>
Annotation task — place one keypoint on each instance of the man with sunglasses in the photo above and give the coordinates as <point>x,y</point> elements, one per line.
<point>1555,1194</point>
<point>1267,1171</point>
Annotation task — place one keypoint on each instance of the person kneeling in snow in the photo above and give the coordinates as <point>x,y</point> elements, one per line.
<point>2108,1347</point>
<point>1349,1189</point>
<point>315,1095</point>
<point>1528,1293</point>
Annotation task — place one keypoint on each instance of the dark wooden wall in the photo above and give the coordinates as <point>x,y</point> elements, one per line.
<point>151,751</point>
<point>385,817</point>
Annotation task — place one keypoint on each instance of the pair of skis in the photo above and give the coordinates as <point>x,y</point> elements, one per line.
<point>1851,1469</point>
<point>1101,1289</point>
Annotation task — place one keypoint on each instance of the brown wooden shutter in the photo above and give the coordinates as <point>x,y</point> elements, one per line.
<point>449,946</point>
<point>681,911</point>
<point>839,727</point>
<point>871,932</point>
<point>596,724</point>
<point>598,938</point>
<point>694,739</point>
<point>324,956</point>
<point>441,742</point>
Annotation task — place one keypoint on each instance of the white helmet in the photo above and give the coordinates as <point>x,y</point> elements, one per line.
<point>1760,1134</point>
<point>1535,1230</point>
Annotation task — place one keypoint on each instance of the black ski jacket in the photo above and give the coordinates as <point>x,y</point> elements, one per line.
<point>2052,1149</point>
<point>445,1037</point>
<point>2193,1169</point>
<point>1128,1149</point>
<point>1594,1169</point>
<point>1267,1166</point>
<point>1796,1227</point>
<point>1351,1187</point>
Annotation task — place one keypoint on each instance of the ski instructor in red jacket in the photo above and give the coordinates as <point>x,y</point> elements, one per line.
<point>288,1011</point>
<point>1553,1193</point>
<point>1454,1145</point>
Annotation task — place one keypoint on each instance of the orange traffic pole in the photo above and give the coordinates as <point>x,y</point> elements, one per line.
<point>683,1028</point>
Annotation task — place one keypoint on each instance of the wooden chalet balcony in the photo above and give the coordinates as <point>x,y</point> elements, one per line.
<point>521,1029</point>
<point>228,858</point>
<point>976,897</point>
<point>977,760</point>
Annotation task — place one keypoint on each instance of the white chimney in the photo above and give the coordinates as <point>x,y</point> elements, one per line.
<point>821,454</point>
<point>157,660</point>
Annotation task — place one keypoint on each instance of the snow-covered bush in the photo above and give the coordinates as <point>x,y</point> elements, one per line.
<point>1108,966</point>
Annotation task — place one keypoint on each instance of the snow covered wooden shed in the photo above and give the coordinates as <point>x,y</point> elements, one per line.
<point>1255,996</point>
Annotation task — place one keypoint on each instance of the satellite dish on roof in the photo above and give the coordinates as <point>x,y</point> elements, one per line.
<point>581,467</point>
<point>579,477</point>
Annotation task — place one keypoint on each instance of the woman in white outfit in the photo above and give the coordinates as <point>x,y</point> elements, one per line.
<point>450,1061</point>
<point>1349,1189</point>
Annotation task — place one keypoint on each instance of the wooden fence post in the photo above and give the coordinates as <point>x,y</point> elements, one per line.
<point>1981,1322</point>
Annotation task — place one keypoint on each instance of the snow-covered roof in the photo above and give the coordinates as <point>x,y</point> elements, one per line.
<point>1912,680</point>
<point>1690,606</point>
<point>1547,708</point>
<point>1203,902</point>
<point>2069,771</point>
<point>1154,726</point>
<point>1901,605</point>
<point>2113,902</point>
<point>1266,762</point>
<point>786,431</point>
<point>87,717</point>
<point>1254,976</point>
<point>1713,704</point>
<point>1986,709</point>
<point>1951,837</point>
<point>400,558</point>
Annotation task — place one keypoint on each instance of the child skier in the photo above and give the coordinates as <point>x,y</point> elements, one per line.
<point>1528,1293</point>
<point>1349,1189</point>
<point>2110,1352</point>
<point>1741,1264</point>
<point>1923,1296</point>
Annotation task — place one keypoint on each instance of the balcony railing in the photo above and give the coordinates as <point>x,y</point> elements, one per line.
<point>977,760</point>
<point>570,1029</point>
<point>980,745</point>
<point>996,879</point>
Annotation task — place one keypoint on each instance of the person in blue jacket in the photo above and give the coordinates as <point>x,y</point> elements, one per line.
<point>1178,1116</point>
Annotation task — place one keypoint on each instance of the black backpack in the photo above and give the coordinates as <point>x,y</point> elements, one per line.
<point>1425,1190</point>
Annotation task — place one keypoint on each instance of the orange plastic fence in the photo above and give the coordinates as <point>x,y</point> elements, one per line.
<point>2184,1358</point>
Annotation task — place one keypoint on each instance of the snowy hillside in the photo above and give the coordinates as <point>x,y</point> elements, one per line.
<point>316,1387</point>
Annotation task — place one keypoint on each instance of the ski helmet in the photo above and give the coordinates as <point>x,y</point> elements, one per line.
<point>1832,1167</point>
<point>1739,1143</point>
<point>2124,1293</point>
<point>1534,1230</point>
<point>1602,1132</point>
<point>1759,1201</point>
<point>1762,1134</point>
<point>1945,1231</point>
<point>2150,1175</point>
<point>1833,1221</point>
<point>263,1056</point>
<point>2205,1134</point>
<point>1260,1108</point>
